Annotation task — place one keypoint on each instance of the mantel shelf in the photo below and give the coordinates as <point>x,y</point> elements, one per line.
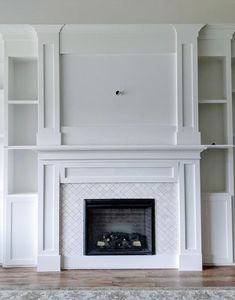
<point>122,147</point>
<point>118,147</point>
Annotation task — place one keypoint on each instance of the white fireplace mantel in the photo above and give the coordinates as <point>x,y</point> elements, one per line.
<point>156,164</point>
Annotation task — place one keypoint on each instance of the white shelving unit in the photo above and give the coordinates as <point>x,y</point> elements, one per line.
<point>22,75</point>
<point>22,161</point>
<point>213,132</point>
<point>21,123</point>
<point>215,125</point>
<point>19,118</point>
<point>211,69</point>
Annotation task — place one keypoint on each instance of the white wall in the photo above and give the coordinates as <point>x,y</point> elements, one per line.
<point>117,11</point>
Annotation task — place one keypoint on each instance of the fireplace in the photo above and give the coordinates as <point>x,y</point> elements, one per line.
<point>120,227</point>
<point>164,191</point>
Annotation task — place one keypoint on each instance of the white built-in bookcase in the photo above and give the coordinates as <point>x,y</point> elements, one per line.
<point>20,158</point>
<point>22,104</point>
<point>215,89</point>
<point>19,127</point>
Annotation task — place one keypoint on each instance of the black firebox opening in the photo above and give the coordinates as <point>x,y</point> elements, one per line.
<point>119,227</point>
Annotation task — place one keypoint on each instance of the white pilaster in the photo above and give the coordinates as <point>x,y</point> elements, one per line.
<point>190,256</point>
<point>48,217</point>
<point>49,85</point>
<point>187,83</point>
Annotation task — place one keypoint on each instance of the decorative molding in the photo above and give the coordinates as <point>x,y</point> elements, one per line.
<point>110,152</point>
<point>190,262</point>
<point>49,86</point>
<point>45,29</point>
<point>161,261</point>
<point>174,148</point>
<point>217,209</point>
<point>187,83</point>
<point>187,32</point>
<point>190,216</point>
<point>48,217</point>
<point>17,208</point>
<point>16,32</point>
<point>49,263</point>
<point>217,31</point>
<point>119,171</point>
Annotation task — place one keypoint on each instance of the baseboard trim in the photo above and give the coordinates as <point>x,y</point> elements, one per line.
<point>49,263</point>
<point>190,262</point>
<point>161,261</point>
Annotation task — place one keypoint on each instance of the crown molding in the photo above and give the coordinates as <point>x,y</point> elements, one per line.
<point>17,32</point>
<point>217,31</point>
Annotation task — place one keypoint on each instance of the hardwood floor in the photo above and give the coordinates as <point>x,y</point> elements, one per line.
<point>29,278</point>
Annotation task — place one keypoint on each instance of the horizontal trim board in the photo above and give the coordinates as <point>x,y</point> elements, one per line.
<point>121,171</point>
<point>125,262</point>
<point>119,134</point>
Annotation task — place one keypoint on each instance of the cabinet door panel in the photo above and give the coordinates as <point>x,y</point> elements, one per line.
<point>217,229</point>
<point>21,234</point>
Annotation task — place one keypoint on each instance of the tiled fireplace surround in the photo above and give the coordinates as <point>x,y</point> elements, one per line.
<point>168,174</point>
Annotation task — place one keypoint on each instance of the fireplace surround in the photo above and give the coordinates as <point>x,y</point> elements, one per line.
<point>169,175</point>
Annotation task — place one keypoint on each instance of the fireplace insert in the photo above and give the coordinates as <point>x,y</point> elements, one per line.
<point>120,227</point>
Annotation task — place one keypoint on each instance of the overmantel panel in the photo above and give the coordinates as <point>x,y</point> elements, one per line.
<point>99,60</point>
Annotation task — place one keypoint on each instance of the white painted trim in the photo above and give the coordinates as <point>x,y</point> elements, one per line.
<point>159,261</point>
<point>217,31</point>
<point>121,147</point>
<point>226,199</point>
<point>18,32</point>
<point>187,83</point>
<point>99,134</point>
<point>190,262</point>
<point>49,263</point>
<point>9,201</point>
<point>49,87</point>
<point>190,208</point>
<point>119,171</point>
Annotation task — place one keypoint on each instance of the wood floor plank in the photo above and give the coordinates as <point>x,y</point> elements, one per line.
<point>30,278</point>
